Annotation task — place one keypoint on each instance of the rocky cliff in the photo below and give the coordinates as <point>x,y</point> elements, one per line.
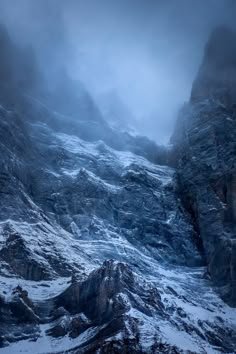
<point>205,143</point>
<point>106,248</point>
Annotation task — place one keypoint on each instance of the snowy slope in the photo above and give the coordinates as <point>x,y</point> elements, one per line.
<point>91,204</point>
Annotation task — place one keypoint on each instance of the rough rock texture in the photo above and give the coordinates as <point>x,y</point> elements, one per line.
<point>205,140</point>
<point>98,251</point>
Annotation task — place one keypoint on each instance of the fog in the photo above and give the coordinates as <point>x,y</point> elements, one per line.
<point>137,59</point>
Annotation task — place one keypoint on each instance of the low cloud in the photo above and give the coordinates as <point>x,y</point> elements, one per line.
<point>142,55</point>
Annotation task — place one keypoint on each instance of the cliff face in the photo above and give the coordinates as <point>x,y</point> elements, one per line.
<point>216,76</point>
<point>205,143</point>
<point>98,252</point>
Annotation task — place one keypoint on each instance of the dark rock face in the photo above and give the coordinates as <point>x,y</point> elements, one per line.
<point>22,307</point>
<point>99,295</point>
<point>102,249</point>
<point>216,77</point>
<point>19,320</point>
<point>96,295</point>
<point>205,140</point>
<point>21,260</point>
<point>18,71</point>
<point>101,188</point>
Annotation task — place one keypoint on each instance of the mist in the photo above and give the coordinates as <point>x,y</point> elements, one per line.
<point>137,59</point>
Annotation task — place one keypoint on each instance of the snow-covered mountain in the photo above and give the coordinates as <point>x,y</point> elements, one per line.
<point>109,243</point>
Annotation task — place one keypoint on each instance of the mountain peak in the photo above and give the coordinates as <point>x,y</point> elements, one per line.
<point>220,50</point>
<point>217,74</point>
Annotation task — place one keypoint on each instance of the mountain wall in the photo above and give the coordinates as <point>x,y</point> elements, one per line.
<point>108,242</point>
<point>205,148</point>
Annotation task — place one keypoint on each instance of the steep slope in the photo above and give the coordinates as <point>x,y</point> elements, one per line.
<point>71,205</point>
<point>205,143</point>
<point>97,252</point>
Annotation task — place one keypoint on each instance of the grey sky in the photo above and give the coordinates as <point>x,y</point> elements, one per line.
<point>146,52</point>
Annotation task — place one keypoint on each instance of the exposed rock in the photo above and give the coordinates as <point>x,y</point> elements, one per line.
<point>18,318</point>
<point>217,74</point>
<point>205,140</point>
<point>22,307</point>
<point>97,296</point>
<point>21,260</point>
<point>76,194</point>
<point>71,325</point>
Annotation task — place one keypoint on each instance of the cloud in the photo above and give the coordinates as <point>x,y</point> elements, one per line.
<point>146,52</point>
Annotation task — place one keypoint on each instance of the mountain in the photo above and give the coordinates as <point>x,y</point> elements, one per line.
<point>205,144</point>
<point>115,111</point>
<point>109,243</point>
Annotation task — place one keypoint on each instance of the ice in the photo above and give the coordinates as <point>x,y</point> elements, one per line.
<point>123,159</point>
<point>45,344</point>
<point>37,290</point>
<point>190,291</point>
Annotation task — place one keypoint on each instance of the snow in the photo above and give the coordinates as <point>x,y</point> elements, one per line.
<point>37,290</point>
<point>184,341</point>
<point>124,159</point>
<point>192,293</point>
<point>205,305</point>
<point>59,244</point>
<point>45,344</point>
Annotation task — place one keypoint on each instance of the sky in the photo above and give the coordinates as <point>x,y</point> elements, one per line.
<point>137,58</point>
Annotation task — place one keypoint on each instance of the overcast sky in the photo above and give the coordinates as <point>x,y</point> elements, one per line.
<point>145,52</point>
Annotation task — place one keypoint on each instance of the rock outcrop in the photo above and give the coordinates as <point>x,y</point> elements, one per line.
<point>205,144</point>
<point>103,244</point>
